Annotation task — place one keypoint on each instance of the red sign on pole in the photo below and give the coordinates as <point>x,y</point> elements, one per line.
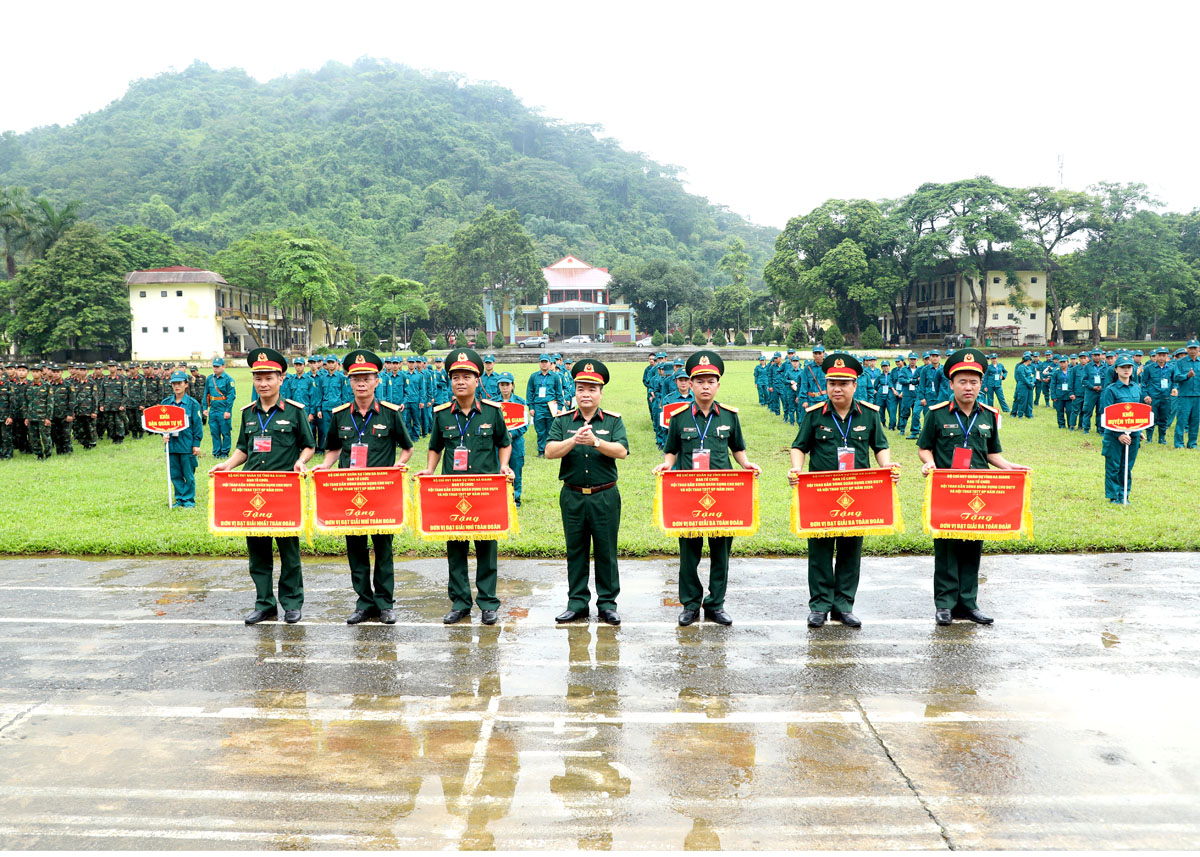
<point>467,506</point>
<point>846,503</point>
<point>1127,416</point>
<point>978,504</point>
<point>670,410</point>
<point>164,419</point>
<point>359,501</point>
<point>256,503</point>
<point>516,415</point>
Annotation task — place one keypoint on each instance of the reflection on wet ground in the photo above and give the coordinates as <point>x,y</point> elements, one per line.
<point>158,720</point>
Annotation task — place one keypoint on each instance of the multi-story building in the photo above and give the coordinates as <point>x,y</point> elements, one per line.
<point>577,301</point>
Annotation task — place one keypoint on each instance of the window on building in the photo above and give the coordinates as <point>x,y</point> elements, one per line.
<point>1011,316</point>
<point>145,330</point>
<point>950,290</point>
<point>1033,315</point>
<point>164,294</point>
<point>1033,279</point>
<point>141,294</point>
<point>166,330</point>
<point>995,316</point>
<point>179,293</point>
<point>181,330</point>
<point>996,280</point>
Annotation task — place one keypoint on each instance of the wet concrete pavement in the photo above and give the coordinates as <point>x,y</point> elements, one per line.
<point>137,711</point>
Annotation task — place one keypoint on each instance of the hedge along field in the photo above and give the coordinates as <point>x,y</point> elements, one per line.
<point>112,500</point>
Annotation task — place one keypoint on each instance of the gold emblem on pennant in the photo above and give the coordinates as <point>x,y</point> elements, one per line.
<point>845,501</point>
<point>258,502</point>
<point>976,504</point>
<point>463,506</point>
<point>839,364</point>
<point>359,500</point>
<point>707,502</point>
<point>968,357</point>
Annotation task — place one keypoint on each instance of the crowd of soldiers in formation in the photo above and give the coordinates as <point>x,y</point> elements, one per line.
<point>45,409</point>
<point>1070,383</point>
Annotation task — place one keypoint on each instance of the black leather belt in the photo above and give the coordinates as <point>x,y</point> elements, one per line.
<point>591,489</point>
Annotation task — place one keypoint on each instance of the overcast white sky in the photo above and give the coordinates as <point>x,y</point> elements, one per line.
<point>770,108</point>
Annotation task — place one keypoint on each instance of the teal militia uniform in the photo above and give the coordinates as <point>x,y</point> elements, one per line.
<point>516,459</point>
<point>760,380</point>
<point>1026,375</point>
<point>1115,476</point>
<point>833,588</point>
<point>1157,383</point>
<point>906,383</point>
<point>1187,405</point>
<point>219,396</point>
<point>590,504</point>
<point>993,383</point>
<point>956,561</point>
<point>382,430</point>
<point>180,446</point>
<point>1094,381</point>
<point>286,424</point>
<point>1060,394</point>
<point>482,432</point>
<point>720,433</point>
<point>543,389</point>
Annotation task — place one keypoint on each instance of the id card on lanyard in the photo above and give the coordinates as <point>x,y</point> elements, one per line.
<point>462,454</point>
<point>262,442</point>
<point>845,452</point>
<point>701,456</point>
<point>962,454</point>
<point>358,451</point>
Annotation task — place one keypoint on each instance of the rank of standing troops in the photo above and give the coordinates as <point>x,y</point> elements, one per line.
<point>839,403</point>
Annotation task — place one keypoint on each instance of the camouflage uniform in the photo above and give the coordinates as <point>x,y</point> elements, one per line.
<point>135,395</point>
<point>6,388</point>
<point>112,399</point>
<point>62,411</point>
<point>39,409</point>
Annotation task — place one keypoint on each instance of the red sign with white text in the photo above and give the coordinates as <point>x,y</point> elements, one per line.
<point>164,419</point>
<point>690,503</point>
<point>978,504</point>
<point>516,415</point>
<point>1127,416</point>
<point>256,503</point>
<point>466,506</point>
<point>359,501</point>
<point>827,503</point>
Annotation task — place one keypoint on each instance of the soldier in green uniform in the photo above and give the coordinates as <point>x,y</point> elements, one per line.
<point>87,405</point>
<point>274,435</point>
<point>21,398</point>
<point>589,441</point>
<point>839,434</point>
<point>705,436</point>
<point>62,411</point>
<point>112,403</point>
<point>365,433</point>
<point>6,420</point>
<point>962,422</point>
<point>475,432</point>
<point>135,395</point>
<point>39,407</point>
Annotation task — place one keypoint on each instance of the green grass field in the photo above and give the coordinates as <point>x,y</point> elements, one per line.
<point>112,500</point>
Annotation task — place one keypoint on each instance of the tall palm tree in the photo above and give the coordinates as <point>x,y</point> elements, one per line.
<point>46,224</point>
<point>14,225</point>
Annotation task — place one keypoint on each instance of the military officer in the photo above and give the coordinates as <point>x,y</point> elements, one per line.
<point>1187,404</point>
<point>589,442</point>
<point>962,422</point>
<point>1159,392</point>
<point>839,434</point>
<point>543,390</point>
<point>690,447</point>
<point>112,403</point>
<point>274,435</point>
<point>219,396</point>
<point>1115,445</point>
<point>478,439</point>
<point>365,433</point>
<point>38,411</point>
<point>183,446</point>
<point>516,461</point>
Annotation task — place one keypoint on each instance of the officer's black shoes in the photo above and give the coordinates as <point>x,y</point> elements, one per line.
<point>291,616</point>
<point>848,619</point>
<point>687,617</point>
<point>359,616</point>
<point>942,617</point>
<point>973,615</point>
<point>571,616</point>
<point>262,615</point>
<point>488,617</point>
<point>611,617</point>
<point>455,616</point>
<point>815,619</point>
<point>387,617</point>
<point>719,616</point>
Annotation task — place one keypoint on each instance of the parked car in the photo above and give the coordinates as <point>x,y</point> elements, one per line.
<point>533,342</point>
<point>648,342</point>
<point>577,340</point>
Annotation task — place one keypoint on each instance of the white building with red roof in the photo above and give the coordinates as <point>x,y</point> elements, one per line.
<point>577,301</point>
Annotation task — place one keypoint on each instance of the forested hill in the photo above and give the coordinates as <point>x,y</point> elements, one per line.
<point>378,158</point>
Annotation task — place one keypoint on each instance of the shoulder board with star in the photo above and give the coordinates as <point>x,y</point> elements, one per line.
<point>730,408</point>
<point>939,405</point>
<point>294,402</point>
<point>442,406</point>
<point>390,406</point>
<point>867,405</point>
<point>340,408</point>
<point>815,407</point>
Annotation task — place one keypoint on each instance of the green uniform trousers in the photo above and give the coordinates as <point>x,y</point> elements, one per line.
<point>112,423</point>
<point>6,440</point>
<point>690,589</point>
<point>459,587</point>
<point>373,593</point>
<point>830,586</point>
<point>590,525</point>
<point>85,431</point>
<point>60,430</point>
<point>291,579</point>
<point>956,573</point>
<point>41,441</point>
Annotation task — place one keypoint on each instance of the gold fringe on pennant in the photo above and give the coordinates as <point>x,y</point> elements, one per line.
<point>1025,529</point>
<point>305,528</point>
<point>897,525</point>
<point>715,532</point>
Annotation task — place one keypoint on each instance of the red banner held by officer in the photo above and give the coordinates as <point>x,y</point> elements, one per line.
<point>256,503</point>
<point>466,506</point>
<point>691,503</point>
<point>359,501</point>
<point>992,505</point>
<point>827,503</point>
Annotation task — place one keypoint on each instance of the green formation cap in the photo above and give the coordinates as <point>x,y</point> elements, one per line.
<point>965,360</point>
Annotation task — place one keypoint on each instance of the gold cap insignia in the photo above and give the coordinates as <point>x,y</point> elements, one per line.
<point>462,356</point>
<point>589,368</point>
<point>839,363</point>
<point>968,357</point>
<point>261,358</point>
<point>360,359</point>
<point>704,361</point>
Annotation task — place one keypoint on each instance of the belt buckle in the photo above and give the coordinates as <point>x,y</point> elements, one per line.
<point>586,491</point>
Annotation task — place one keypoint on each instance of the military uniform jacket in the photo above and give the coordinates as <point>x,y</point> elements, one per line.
<point>489,386</point>
<point>286,423</point>
<point>1153,378</point>
<point>543,389</point>
<point>721,436</point>
<point>1093,376</point>
<point>40,403</point>
<point>586,466</point>
<point>1187,386</point>
<point>821,430</point>
<point>994,378</point>
<point>1060,384</point>
<point>1025,375</point>
<point>135,391</point>
<point>482,432</point>
<point>189,438</point>
<point>5,398</point>
<point>943,431</point>
<point>219,393</point>
<point>381,429</point>
<point>62,399</point>
<point>648,373</point>
<point>196,384</point>
<point>814,382</point>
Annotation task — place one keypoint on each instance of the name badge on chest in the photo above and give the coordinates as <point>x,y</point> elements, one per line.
<point>262,443</point>
<point>962,458</point>
<point>358,455</point>
<point>845,456</point>
<point>460,458</point>
<point>700,459</point>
